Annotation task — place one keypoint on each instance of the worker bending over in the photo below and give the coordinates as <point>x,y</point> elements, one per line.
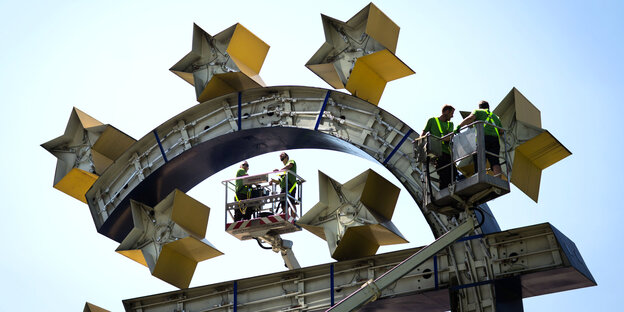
<point>492,134</point>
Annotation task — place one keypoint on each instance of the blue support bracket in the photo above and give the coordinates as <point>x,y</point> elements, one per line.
<point>331,278</point>
<point>320,115</point>
<point>239,110</point>
<point>162,150</point>
<point>396,148</point>
<point>235,303</point>
<point>471,237</point>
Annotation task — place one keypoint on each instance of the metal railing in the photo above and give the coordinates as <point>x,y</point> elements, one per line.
<point>465,148</point>
<point>263,197</point>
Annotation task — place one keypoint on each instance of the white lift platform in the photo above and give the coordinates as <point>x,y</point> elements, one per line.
<point>266,213</point>
<point>468,189</point>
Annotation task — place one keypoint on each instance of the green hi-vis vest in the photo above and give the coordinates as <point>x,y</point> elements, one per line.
<point>239,187</point>
<point>292,179</point>
<point>487,116</point>
<point>440,129</point>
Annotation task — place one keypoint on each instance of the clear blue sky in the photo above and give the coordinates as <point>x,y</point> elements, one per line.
<point>111,60</point>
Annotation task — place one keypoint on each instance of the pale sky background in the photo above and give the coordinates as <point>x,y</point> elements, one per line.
<point>111,60</point>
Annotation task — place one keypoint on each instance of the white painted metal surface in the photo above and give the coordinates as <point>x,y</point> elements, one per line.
<point>542,259</point>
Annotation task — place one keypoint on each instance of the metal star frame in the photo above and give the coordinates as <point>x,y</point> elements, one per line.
<point>228,62</point>
<point>83,152</point>
<point>353,217</point>
<point>358,55</point>
<point>169,238</point>
<point>535,148</point>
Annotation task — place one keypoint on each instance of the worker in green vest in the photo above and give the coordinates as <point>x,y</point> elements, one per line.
<point>241,193</point>
<point>440,127</point>
<point>492,134</point>
<point>288,182</point>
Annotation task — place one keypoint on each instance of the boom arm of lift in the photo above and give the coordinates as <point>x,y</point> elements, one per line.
<point>371,290</point>
<point>284,247</point>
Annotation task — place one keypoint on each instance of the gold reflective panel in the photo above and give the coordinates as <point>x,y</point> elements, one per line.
<point>177,261</point>
<point>376,184</point>
<point>383,235</point>
<point>134,255</point>
<point>222,84</point>
<point>371,73</point>
<point>188,213</point>
<point>356,243</point>
<point>543,150</point>
<point>381,28</point>
<point>328,73</point>
<point>526,176</point>
<point>531,158</point>
<point>76,183</point>
<point>247,50</point>
<point>174,268</point>
<point>363,241</point>
<point>195,249</point>
<point>108,147</point>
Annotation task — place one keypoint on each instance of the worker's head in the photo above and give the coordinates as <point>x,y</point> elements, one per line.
<point>484,105</point>
<point>448,110</point>
<point>284,157</point>
<point>245,165</point>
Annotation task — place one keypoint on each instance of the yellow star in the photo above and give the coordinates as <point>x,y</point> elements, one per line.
<point>227,62</point>
<point>169,238</point>
<point>359,55</point>
<point>533,148</point>
<point>352,217</point>
<point>84,151</point>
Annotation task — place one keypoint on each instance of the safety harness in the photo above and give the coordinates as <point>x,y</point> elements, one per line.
<point>448,125</point>
<point>284,176</point>
<point>489,119</point>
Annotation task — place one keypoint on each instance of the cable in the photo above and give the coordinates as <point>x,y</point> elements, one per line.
<point>262,246</point>
<point>482,216</point>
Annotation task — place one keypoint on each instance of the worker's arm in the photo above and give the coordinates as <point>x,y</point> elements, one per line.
<point>427,127</point>
<point>287,167</point>
<point>468,120</point>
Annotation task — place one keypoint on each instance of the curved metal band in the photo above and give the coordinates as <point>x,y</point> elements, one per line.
<point>206,138</point>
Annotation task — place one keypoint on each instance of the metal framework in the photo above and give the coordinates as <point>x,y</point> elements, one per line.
<point>270,119</point>
<point>204,139</point>
<point>117,174</point>
<point>472,187</point>
<point>263,200</point>
<point>537,259</point>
